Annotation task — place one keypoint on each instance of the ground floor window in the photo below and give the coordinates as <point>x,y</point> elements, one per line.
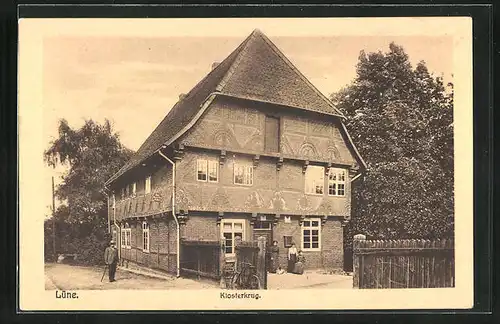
<point>311,234</point>
<point>232,230</point>
<point>145,237</point>
<point>126,234</point>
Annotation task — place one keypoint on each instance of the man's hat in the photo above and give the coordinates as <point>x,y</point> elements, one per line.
<point>112,242</point>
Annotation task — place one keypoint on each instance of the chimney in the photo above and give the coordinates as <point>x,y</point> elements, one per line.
<point>214,65</point>
<point>181,96</point>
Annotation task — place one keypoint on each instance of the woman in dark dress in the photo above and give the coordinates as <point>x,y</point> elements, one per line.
<point>274,251</point>
<point>292,258</point>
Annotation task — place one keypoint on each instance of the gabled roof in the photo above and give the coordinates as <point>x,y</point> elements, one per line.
<point>255,70</point>
<point>262,72</point>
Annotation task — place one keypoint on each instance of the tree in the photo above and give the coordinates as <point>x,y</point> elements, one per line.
<point>401,120</point>
<point>92,153</point>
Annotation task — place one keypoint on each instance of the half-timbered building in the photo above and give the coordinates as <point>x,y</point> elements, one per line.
<point>254,149</point>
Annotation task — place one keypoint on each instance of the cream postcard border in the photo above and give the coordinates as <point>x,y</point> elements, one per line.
<point>32,293</point>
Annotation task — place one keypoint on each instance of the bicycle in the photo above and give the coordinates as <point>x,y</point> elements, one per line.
<point>246,278</point>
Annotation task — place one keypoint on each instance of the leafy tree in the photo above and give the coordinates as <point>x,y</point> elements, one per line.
<point>92,154</point>
<point>401,120</point>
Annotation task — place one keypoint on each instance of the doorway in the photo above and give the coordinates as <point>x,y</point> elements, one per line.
<point>263,228</point>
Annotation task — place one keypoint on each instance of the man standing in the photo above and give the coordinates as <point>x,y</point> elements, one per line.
<point>111,259</point>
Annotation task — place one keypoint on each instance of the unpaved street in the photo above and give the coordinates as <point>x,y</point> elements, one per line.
<point>69,277</point>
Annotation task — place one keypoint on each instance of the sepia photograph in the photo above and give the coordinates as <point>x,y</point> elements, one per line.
<point>246,159</point>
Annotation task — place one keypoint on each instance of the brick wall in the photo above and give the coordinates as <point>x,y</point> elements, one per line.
<point>204,226</point>
<point>239,125</point>
<point>162,253</point>
<point>162,245</point>
<point>201,227</point>
<point>272,191</point>
<point>331,254</point>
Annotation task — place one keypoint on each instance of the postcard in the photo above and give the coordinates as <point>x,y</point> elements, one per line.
<point>245,164</point>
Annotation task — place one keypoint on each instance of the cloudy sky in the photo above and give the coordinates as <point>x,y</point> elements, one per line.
<point>134,80</point>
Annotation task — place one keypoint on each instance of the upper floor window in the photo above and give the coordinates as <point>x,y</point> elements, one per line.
<point>147,185</point>
<point>272,134</point>
<point>134,188</point>
<point>336,182</point>
<point>207,170</point>
<point>243,174</point>
<point>315,180</point>
<point>145,237</point>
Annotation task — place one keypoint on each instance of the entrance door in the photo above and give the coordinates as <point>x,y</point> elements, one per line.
<point>263,228</point>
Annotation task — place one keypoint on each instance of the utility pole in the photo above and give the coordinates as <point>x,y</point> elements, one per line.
<point>53,220</point>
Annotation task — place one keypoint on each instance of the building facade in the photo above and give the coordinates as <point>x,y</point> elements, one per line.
<point>254,149</point>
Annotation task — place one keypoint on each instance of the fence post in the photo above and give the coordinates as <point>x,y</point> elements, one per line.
<point>261,261</point>
<point>356,260</point>
<point>198,256</point>
<point>238,254</point>
<point>222,263</point>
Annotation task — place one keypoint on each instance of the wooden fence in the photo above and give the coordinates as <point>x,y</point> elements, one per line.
<point>403,263</point>
<point>200,258</point>
<point>206,259</point>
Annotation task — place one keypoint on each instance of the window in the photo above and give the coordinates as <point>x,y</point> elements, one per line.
<point>265,225</point>
<point>213,171</point>
<point>311,234</point>
<point>336,182</point>
<point>134,188</point>
<point>123,238</point>
<point>128,238</point>
<point>232,229</point>
<point>201,167</point>
<point>272,134</point>
<point>126,235</point>
<point>315,180</point>
<point>145,237</point>
<point>207,170</point>
<point>147,185</point>
<point>243,174</point>
<point>287,241</point>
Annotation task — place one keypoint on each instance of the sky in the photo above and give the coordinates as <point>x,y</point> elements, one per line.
<point>134,80</point>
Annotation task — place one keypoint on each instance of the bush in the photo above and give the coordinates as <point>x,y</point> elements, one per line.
<point>74,239</point>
